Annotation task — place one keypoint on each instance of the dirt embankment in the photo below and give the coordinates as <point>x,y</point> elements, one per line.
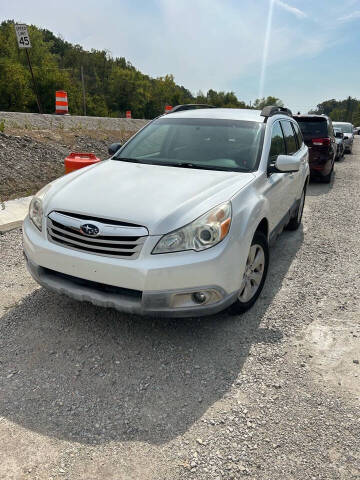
<point>33,146</point>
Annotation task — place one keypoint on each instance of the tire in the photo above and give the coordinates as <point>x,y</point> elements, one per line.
<point>259,245</point>
<point>295,221</point>
<point>327,178</point>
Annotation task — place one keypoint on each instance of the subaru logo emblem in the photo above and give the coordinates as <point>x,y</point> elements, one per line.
<point>90,230</point>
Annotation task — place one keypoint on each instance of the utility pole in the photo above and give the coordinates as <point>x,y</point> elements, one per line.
<point>34,83</point>
<point>83,90</point>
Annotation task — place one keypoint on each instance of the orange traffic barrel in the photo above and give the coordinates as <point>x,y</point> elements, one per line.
<point>128,113</point>
<point>61,103</point>
<point>77,160</point>
<point>168,108</point>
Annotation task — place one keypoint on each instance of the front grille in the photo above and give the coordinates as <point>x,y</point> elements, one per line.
<point>115,239</point>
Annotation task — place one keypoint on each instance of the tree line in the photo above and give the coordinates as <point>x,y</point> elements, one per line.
<point>347,110</point>
<point>112,85</point>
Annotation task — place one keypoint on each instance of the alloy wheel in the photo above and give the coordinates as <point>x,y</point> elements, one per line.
<point>253,274</point>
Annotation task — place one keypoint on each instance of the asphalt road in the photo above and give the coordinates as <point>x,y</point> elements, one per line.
<point>88,393</point>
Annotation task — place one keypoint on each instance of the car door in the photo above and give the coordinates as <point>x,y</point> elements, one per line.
<point>300,177</point>
<point>292,179</point>
<point>277,182</point>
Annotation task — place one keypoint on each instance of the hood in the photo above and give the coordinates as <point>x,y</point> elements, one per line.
<point>157,197</point>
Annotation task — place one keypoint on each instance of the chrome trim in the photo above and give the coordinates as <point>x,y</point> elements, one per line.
<point>139,241</point>
<point>105,230</point>
<point>97,247</point>
<point>64,230</point>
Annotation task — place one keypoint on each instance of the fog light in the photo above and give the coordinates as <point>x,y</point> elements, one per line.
<point>199,297</point>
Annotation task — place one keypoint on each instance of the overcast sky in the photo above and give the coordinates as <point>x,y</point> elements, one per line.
<point>312,53</point>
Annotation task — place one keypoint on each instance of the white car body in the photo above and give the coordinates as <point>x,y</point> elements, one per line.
<point>348,131</point>
<point>155,200</point>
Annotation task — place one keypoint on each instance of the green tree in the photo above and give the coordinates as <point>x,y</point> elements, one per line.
<point>112,85</point>
<point>260,103</point>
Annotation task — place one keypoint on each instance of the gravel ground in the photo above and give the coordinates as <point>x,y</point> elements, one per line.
<point>69,122</point>
<point>33,146</point>
<point>88,393</point>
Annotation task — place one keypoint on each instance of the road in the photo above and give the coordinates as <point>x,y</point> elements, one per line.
<point>88,393</point>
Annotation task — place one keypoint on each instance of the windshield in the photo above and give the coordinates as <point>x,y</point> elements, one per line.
<point>210,144</point>
<point>344,127</point>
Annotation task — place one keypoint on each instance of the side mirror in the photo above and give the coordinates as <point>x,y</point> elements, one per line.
<point>113,148</point>
<point>287,163</point>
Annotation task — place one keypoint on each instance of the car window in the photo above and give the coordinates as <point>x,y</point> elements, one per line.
<point>152,143</point>
<point>344,127</point>
<point>313,127</point>
<point>290,140</point>
<point>277,143</point>
<point>298,134</point>
<point>207,143</point>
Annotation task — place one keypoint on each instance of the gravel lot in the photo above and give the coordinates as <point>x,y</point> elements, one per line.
<point>87,393</point>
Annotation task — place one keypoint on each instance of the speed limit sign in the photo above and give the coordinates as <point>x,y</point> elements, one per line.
<point>22,36</point>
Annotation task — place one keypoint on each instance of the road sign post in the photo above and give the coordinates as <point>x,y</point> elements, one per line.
<point>23,40</point>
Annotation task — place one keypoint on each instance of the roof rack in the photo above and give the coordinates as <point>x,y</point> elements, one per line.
<point>190,106</point>
<point>274,110</point>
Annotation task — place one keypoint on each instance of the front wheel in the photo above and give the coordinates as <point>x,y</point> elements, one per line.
<point>255,274</point>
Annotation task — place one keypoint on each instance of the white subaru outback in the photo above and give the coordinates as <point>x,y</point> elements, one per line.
<point>179,221</point>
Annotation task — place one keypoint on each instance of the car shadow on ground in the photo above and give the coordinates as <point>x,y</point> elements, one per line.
<point>316,188</point>
<point>77,372</point>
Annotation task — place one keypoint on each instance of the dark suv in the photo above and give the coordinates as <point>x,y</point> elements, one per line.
<point>319,136</point>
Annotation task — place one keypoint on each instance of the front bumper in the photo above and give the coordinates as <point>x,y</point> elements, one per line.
<point>348,143</point>
<point>124,300</point>
<point>149,285</point>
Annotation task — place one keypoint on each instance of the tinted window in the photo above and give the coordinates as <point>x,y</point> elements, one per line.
<point>277,143</point>
<point>198,143</point>
<point>290,140</point>
<point>312,127</point>
<point>298,134</point>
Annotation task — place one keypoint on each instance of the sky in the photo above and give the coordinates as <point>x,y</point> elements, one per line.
<point>301,51</point>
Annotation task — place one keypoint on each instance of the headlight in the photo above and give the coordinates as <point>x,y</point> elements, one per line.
<point>202,233</point>
<point>36,207</point>
<point>36,212</point>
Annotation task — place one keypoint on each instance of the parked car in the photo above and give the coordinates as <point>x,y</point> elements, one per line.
<point>179,221</point>
<point>319,136</point>
<point>339,139</point>
<point>348,131</point>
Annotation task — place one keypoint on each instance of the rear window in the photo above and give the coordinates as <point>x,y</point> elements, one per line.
<point>298,134</point>
<point>290,140</point>
<point>313,128</point>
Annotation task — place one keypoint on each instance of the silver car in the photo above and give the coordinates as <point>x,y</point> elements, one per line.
<point>179,221</point>
<point>348,131</point>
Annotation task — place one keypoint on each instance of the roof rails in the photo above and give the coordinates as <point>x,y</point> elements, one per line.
<point>274,110</point>
<point>190,106</point>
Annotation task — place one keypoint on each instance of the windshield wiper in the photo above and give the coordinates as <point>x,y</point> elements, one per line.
<point>190,165</point>
<point>124,159</point>
<point>203,167</point>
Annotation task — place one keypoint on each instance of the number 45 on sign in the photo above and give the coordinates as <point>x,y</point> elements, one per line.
<point>22,36</point>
